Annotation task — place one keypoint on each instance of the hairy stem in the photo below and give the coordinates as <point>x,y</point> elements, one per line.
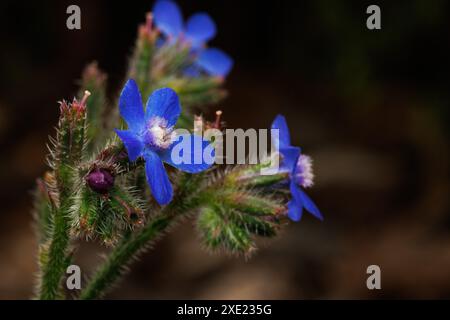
<point>57,255</point>
<point>57,260</point>
<point>116,264</point>
<point>69,146</point>
<point>189,198</point>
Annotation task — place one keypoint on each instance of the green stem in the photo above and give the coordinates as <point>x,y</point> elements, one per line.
<point>54,270</point>
<point>189,198</point>
<point>117,262</point>
<point>68,151</point>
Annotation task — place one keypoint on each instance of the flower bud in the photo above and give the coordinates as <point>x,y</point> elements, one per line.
<point>100,180</point>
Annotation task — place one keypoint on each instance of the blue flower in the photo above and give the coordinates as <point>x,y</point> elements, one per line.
<point>299,167</point>
<point>150,135</point>
<point>199,29</point>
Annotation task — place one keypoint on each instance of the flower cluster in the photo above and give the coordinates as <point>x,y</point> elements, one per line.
<point>101,166</point>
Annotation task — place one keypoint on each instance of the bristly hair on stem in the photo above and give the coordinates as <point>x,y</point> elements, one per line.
<point>68,151</point>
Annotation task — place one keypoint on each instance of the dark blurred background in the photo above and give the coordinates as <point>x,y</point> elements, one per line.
<point>371,108</point>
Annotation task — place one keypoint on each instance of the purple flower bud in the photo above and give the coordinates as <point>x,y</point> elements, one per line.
<point>100,180</point>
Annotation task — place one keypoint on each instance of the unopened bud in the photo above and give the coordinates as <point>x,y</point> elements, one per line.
<point>100,180</point>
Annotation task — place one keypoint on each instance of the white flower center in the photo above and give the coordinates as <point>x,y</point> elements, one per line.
<point>304,175</point>
<point>158,135</point>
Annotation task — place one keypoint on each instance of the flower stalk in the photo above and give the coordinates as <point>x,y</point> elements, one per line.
<point>67,153</point>
<point>133,245</point>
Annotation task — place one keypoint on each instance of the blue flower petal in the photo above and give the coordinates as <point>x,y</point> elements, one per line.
<point>289,158</point>
<point>190,153</point>
<point>295,192</point>
<point>302,199</point>
<point>309,205</point>
<point>215,62</point>
<point>284,138</point>
<point>132,143</point>
<point>168,18</point>
<point>157,178</point>
<point>164,103</point>
<point>295,210</point>
<point>199,29</point>
<point>130,106</point>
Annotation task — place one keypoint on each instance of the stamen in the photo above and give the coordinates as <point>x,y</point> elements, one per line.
<point>85,97</point>
<point>158,135</point>
<point>149,22</point>
<point>304,175</point>
<point>217,122</point>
